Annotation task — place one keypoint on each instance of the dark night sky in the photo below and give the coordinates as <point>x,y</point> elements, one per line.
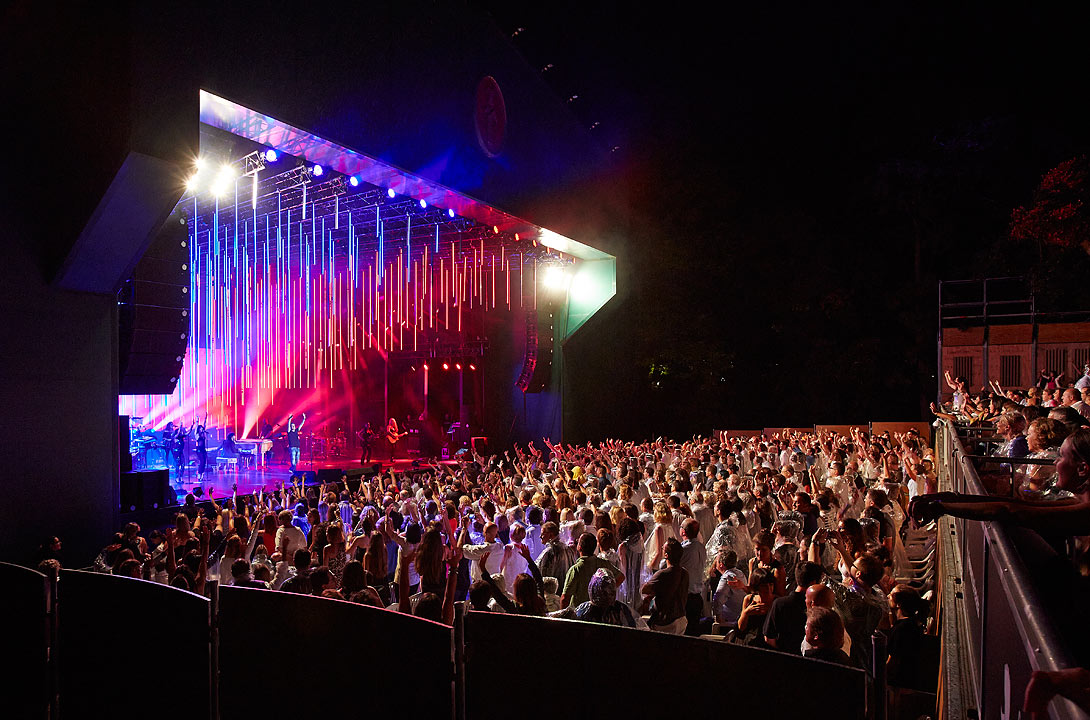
<point>799,177</point>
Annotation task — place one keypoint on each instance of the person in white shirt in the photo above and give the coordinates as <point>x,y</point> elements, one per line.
<point>288,537</point>
<point>490,547</point>
<point>533,531</point>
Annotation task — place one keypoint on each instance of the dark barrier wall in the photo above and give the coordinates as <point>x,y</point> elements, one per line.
<point>24,684</point>
<point>638,674</point>
<point>320,655</point>
<point>129,648</point>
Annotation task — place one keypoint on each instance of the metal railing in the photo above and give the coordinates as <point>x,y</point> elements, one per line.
<point>996,631</point>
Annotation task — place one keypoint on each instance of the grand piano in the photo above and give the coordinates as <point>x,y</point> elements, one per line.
<point>257,446</point>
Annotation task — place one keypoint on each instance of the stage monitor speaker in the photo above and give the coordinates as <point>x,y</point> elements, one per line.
<point>154,313</point>
<point>145,490</point>
<point>537,366</point>
<point>329,475</point>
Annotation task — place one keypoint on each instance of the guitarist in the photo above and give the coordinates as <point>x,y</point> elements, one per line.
<point>392,436</point>
<point>366,435</point>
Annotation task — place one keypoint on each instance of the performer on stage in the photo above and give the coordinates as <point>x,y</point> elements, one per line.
<point>366,436</point>
<point>177,447</point>
<point>293,439</point>
<point>392,436</point>
<point>227,448</point>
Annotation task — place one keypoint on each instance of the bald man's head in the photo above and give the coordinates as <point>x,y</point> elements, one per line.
<point>819,595</point>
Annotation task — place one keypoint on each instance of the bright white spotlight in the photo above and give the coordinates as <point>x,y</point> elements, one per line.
<point>192,183</point>
<point>318,170</point>
<point>391,192</point>
<point>271,156</point>
<point>450,212</point>
<point>200,164</point>
<point>555,278</point>
<point>423,204</point>
<point>354,181</point>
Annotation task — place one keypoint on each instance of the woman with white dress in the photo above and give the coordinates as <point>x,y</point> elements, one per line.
<point>654,547</point>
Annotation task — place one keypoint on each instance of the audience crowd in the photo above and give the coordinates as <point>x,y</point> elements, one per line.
<point>792,542</point>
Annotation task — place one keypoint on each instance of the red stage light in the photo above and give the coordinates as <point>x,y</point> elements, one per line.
<point>446,366</point>
<point>458,366</point>
<point>472,366</point>
<point>425,366</point>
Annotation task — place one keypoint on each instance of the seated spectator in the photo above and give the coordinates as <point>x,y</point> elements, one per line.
<point>729,590</point>
<point>299,582</point>
<point>825,635</point>
<point>603,605</point>
<point>665,594</point>
<point>755,607</point>
<point>241,577</point>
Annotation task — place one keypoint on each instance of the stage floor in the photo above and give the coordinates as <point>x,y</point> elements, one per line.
<point>251,479</point>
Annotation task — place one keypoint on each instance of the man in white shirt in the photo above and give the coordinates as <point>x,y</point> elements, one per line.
<point>693,558</point>
<point>288,537</point>
<point>490,548</point>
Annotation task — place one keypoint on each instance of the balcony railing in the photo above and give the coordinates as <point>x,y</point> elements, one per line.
<point>996,629</point>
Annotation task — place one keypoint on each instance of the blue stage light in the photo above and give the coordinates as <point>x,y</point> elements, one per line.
<point>354,181</point>
<point>271,156</point>
<point>450,212</point>
<point>391,192</point>
<point>423,204</point>
<point>318,170</point>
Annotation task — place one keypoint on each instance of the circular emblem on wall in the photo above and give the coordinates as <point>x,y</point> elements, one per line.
<point>490,116</point>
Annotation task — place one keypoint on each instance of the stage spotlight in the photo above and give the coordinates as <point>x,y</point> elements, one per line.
<point>425,366</point>
<point>555,278</point>
<point>192,183</point>
<point>391,193</point>
<point>423,204</point>
<point>516,237</point>
<point>472,366</point>
<point>200,163</point>
<point>223,180</point>
<point>271,156</point>
<point>450,212</point>
<point>496,229</point>
<point>413,368</point>
<point>446,366</point>
<point>318,170</point>
<point>457,366</point>
<point>354,181</point>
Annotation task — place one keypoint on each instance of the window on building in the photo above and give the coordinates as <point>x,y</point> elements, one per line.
<point>963,368</point>
<point>1056,361</point>
<point>1010,371</point>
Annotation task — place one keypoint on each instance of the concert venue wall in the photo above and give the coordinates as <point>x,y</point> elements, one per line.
<point>114,95</point>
